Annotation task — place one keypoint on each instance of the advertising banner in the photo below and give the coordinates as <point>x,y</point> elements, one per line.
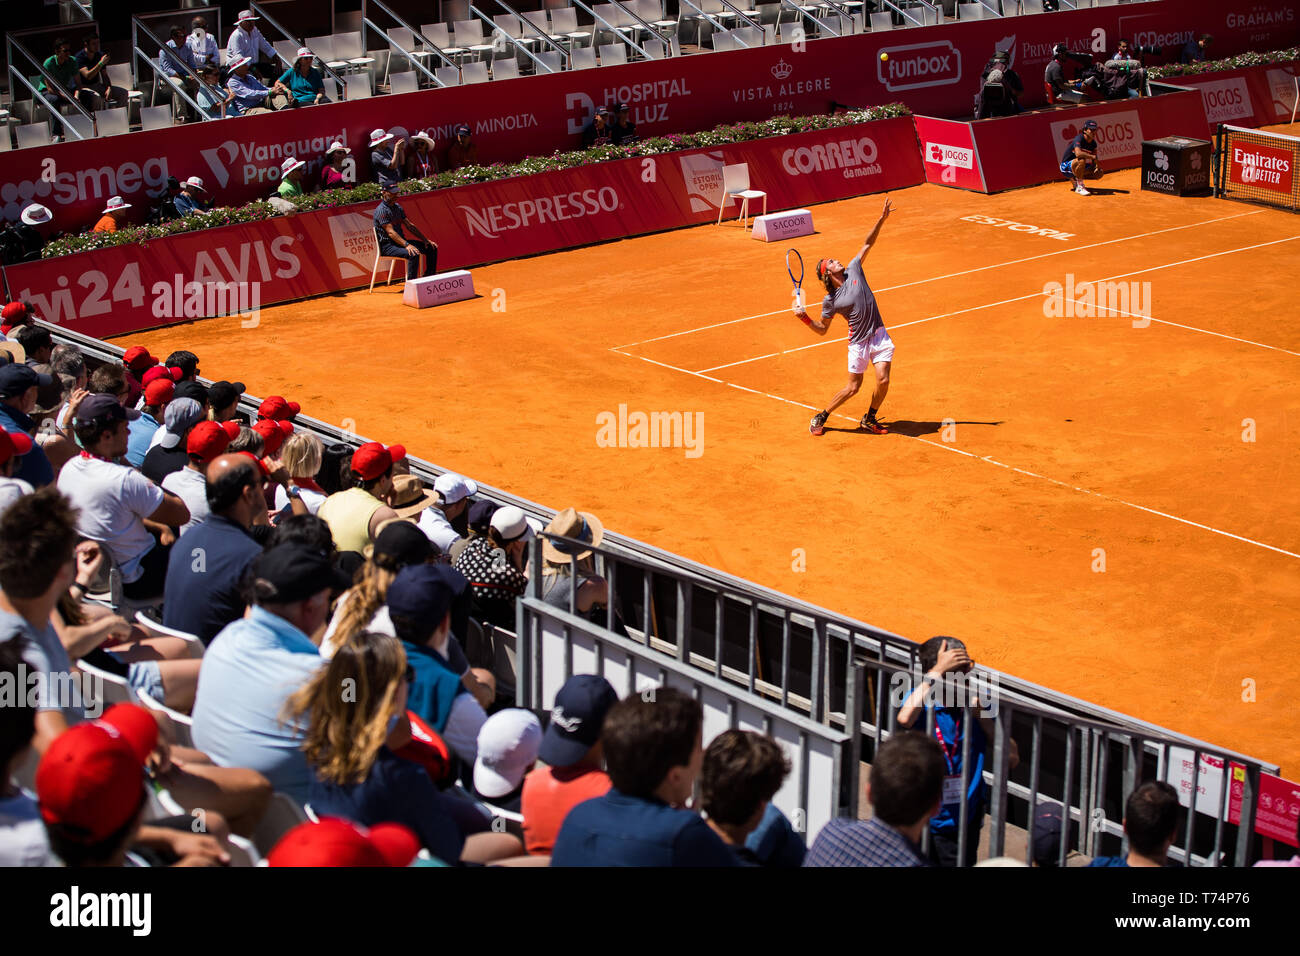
<point>125,288</point>
<point>1253,96</point>
<point>934,69</point>
<point>948,151</point>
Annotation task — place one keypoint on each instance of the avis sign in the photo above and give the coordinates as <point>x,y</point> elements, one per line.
<point>1119,135</point>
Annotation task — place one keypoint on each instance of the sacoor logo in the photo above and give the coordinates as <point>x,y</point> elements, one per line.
<point>491,221</point>
<point>919,65</point>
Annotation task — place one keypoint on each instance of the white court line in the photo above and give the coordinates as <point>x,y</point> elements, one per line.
<point>1038,295</point>
<point>994,461</point>
<point>953,275</point>
<point>1191,328</point>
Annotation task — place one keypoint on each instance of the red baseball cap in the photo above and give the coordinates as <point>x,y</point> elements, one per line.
<point>277,408</point>
<point>89,781</point>
<point>231,428</point>
<point>273,434</point>
<point>335,842</point>
<point>159,392</point>
<point>13,313</point>
<point>372,459</point>
<point>137,356</point>
<point>207,440</point>
<point>161,371</point>
<point>13,443</point>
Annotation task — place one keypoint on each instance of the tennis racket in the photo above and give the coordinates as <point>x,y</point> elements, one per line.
<point>794,266</point>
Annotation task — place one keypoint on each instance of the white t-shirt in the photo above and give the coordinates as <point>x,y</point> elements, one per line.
<point>22,834</point>
<point>11,489</point>
<point>312,499</point>
<point>381,623</point>
<point>192,488</point>
<point>438,529</point>
<point>114,500</point>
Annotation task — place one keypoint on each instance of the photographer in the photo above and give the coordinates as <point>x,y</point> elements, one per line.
<point>1123,75</point>
<point>1058,89</point>
<point>1195,50</point>
<point>24,240</point>
<point>1000,88</point>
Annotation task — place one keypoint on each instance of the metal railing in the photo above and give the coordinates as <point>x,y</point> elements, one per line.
<point>718,26</point>
<point>596,17</point>
<point>160,76</point>
<point>827,681</point>
<point>529,26</point>
<point>325,68</point>
<point>936,12</point>
<point>497,33</point>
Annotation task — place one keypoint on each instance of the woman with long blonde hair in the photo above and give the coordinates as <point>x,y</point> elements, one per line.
<point>354,711</point>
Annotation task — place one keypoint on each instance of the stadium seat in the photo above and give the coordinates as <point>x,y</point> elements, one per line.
<point>82,124</point>
<point>538,19</point>
<point>283,813</point>
<point>975,11</point>
<point>287,49</point>
<point>551,59</point>
<point>613,54</point>
<point>735,185</point>
<point>882,21</point>
<point>447,75</point>
<point>505,69</point>
<point>604,24</point>
<point>748,37</point>
<point>358,87</point>
<point>655,49</point>
<point>564,26</point>
<point>469,36</point>
<point>723,40</point>
<point>182,724</point>
<point>407,82</point>
<point>476,72</point>
<point>323,48</point>
<point>350,53</point>
<point>101,689</point>
<point>403,39</point>
<point>111,122</point>
<point>436,33</point>
<point>583,58</point>
<point>158,627</point>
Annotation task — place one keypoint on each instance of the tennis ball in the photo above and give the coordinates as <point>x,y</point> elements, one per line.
<point>884,57</point>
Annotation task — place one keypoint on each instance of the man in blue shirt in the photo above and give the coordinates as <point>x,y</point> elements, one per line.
<point>1079,161</point>
<point>390,221</point>
<point>653,751</point>
<point>1194,51</point>
<point>192,198</point>
<point>157,396</point>
<point>251,95</point>
<point>19,385</point>
<point>206,568</point>
<point>939,656</point>
<point>1151,819</point>
<point>905,791</point>
<point>259,661</point>
<point>246,40</point>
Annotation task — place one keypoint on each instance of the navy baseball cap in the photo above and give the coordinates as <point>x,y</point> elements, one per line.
<point>462,130</point>
<point>191,389</point>
<point>16,378</point>
<point>1090,124</point>
<point>579,712</point>
<point>293,572</point>
<point>104,408</point>
<point>424,592</point>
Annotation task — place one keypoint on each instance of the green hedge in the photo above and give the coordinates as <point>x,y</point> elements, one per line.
<point>369,191</point>
<point>1238,62</point>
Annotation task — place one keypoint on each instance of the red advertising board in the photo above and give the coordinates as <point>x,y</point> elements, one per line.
<point>1253,96</point>
<point>1278,809</point>
<point>935,70</point>
<point>126,288</point>
<point>949,154</point>
<point>1025,150</point>
<point>1261,166</point>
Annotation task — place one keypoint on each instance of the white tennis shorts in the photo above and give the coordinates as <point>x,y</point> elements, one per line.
<point>878,348</point>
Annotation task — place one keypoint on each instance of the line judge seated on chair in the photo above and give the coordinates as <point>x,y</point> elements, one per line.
<point>390,221</point>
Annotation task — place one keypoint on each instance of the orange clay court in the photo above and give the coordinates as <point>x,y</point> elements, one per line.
<point>1077,440</point>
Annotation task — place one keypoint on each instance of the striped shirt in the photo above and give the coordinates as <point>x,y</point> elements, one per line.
<point>862,843</point>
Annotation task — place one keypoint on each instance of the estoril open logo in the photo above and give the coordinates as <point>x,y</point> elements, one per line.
<point>491,221</point>
<point>919,65</point>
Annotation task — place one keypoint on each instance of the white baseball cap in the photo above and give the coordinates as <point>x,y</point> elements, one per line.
<point>378,136</point>
<point>289,165</point>
<point>511,523</point>
<point>116,204</point>
<point>453,488</point>
<point>507,746</point>
<point>35,214</point>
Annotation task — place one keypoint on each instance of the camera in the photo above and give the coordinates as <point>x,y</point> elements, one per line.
<point>1140,50</point>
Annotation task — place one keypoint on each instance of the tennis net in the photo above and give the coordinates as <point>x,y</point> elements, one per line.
<point>1257,166</point>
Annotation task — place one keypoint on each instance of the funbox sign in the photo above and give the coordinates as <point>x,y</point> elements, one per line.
<point>1260,166</point>
<point>919,65</point>
<point>1119,135</point>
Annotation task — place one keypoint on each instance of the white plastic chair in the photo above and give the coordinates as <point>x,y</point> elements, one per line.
<point>112,122</point>
<point>392,261</point>
<point>507,69</point>
<point>358,87</point>
<point>476,72</point>
<point>437,34</point>
<point>655,49</point>
<point>407,82</point>
<point>287,49</point>
<point>447,75</point>
<point>350,52</point>
<point>182,724</point>
<point>583,58</point>
<point>723,40</point>
<point>610,15</point>
<point>99,687</point>
<point>735,185</point>
<point>551,59</point>
<point>469,36</point>
<point>882,21</point>
<point>564,25</point>
<point>613,54</point>
<point>82,124</point>
<point>323,48</point>
<point>975,11</point>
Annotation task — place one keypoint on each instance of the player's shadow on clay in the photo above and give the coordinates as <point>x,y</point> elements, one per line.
<point>917,429</point>
<point>1103,191</point>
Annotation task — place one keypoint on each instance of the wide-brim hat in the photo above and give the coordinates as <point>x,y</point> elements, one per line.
<point>240,61</point>
<point>410,497</point>
<point>35,214</point>
<point>426,137</point>
<point>571,523</point>
<point>119,206</point>
<point>289,165</point>
<point>378,137</point>
<point>337,147</point>
<point>304,54</point>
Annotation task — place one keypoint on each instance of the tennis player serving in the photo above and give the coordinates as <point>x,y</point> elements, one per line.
<point>848,294</point>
